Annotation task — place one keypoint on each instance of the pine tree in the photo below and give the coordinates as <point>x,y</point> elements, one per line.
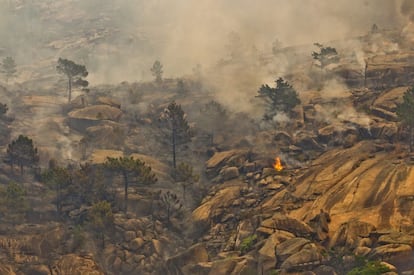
<point>8,67</point>
<point>75,74</point>
<point>177,123</point>
<point>213,118</point>
<point>22,152</point>
<point>157,71</point>
<point>133,171</point>
<point>58,179</point>
<point>184,175</point>
<point>325,56</point>
<point>101,219</point>
<point>283,98</point>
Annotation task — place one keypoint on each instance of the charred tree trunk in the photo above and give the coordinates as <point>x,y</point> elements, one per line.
<point>125,191</point>
<point>365,73</point>
<point>58,199</point>
<point>69,89</point>
<point>174,133</point>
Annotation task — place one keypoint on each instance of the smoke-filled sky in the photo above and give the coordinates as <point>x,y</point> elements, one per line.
<point>181,33</point>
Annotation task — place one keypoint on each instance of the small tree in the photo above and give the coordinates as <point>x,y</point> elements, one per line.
<point>325,56</point>
<point>171,204</point>
<point>13,199</point>
<point>58,178</point>
<point>3,109</point>
<point>101,219</point>
<point>405,112</point>
<point>22,152</point>
<point>276,46</point>
<point>185,176</point>
<point>213,118</point>
<point>181,87</point>
<point>133,171</point>
<point>8,68</point>
<point>157,71</point>
<point>75,74</point>
<point>283,98</point>
<point>177,123</point>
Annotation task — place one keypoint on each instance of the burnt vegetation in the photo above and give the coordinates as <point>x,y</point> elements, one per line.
<point>219,170</point>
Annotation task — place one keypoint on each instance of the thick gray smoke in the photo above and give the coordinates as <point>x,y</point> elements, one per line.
<point>119,39</point>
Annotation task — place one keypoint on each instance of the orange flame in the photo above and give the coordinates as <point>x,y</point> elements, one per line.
<point>278,165</point>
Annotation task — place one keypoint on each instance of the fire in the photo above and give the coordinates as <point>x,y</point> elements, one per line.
<point>278,165</point>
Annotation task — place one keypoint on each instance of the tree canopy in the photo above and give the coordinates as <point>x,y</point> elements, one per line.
<point>282,98</point>
<point>177,123</point>
<point>58,179</point>
<point>185,176</point>
<point>101,219</point>
<point>133,171</point>
<point>8,67</point>
<point>157,71</point>
<point>213,118</point>
<point>75,74</point>
<point>325,56</point>
<point>22,152</point>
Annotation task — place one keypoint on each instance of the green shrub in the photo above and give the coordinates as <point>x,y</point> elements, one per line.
<point>370,268</point>
<point>247,243</point>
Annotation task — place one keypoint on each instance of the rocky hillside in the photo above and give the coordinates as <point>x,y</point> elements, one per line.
<point>340,202</point>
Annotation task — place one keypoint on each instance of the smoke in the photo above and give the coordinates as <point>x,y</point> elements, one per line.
<point>120,39</point>
<point>407,9</point>
<point>339,112</point>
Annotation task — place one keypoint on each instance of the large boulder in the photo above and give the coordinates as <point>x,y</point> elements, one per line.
<point>390,251</point>
<point>228,173</point>
<point>212,207</point>
<point>6,269</point>
<point>349,234</point>
<point>387,115</point>
<point>396,238</point>
<point>309,256</point>
<point>307,141</point>
<point>283,222</point>
<point>107,134</point>
<point>109,101</point>
<point>76,265</point>
<point>221,159</point>
<point>234,266</point>
<point>80,119</point>
<point>389,100</point>
<point>267,254</point>
<point>184,260</point>
<point>289,247</point>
